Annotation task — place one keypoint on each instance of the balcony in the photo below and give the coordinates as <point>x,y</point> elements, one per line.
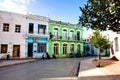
<point>64,38</point>
<point>72,38</point>
<point>42,35</point>
<point>56,37</point>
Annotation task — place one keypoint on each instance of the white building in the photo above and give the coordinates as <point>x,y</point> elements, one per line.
<point>114,39</point>
<point>12,34</point>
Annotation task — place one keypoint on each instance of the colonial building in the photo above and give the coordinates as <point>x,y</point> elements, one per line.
<point>65,39</point>
<point>23,36</point>
<point>36,36</point>
<point>12,34</point>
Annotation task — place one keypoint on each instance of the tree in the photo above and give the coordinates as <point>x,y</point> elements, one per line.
<point>101,15</point>
<point>98,41</point>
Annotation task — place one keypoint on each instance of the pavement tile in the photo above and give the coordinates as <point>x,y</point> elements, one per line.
<point>89,71</point>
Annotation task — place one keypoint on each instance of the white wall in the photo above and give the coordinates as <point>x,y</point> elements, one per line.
<point>112,36</point>
<point>11,38</point>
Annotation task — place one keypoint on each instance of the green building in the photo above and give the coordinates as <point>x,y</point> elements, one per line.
<point>65,39</point>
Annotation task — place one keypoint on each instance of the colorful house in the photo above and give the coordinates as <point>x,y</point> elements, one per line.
<point>89,50</point>
<point>36,36</point>
<point>65,39</point>
<point>23,36</point>
<point>12,37</point>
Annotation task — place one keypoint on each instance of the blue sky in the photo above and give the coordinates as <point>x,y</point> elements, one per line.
<point>61,10</point>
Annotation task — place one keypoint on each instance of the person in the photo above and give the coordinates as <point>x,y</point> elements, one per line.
<point>54,56</point>
<point>47,55</point>
<point>43,57</point>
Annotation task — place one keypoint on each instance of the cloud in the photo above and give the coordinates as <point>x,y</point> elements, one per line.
<point>17,6</point>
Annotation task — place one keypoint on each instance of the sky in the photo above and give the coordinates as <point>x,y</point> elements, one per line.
<point>60,10</point>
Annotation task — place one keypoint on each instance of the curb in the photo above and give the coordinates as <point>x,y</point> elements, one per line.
<point>17,63</point>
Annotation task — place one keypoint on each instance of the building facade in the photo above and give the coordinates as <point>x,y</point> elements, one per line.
<point>65,39</point>
<point>89,50</point>
<point>114,38</point>
<point>36,36</point>
<point>23,36</point>
<point>12,34</point>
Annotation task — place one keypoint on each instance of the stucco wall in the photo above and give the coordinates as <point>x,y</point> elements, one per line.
<point>112,36</point>
<point>11,38</point>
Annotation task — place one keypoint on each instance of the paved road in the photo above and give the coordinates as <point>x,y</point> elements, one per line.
<point>41,69</point>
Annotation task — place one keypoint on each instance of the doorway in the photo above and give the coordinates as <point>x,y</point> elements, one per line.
<point>30,49</point>
<point>56,49</point>
<point>64,49</point>
<point>16,50</point>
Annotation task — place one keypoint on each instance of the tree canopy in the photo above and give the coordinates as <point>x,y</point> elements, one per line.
<point>101,15</point>
<point>98,40</point>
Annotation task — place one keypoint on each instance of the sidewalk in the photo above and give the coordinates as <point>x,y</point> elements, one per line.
<point>5,63</point>
<point>88,71</point>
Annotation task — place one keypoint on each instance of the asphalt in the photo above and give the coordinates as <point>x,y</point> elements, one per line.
<point>87,71</point>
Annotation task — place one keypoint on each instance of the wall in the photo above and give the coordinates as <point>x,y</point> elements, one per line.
<point>61,41</point>
<point>112,36</point>
<point>11,38</point>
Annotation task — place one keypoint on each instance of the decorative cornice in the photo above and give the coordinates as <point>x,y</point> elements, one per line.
<point>36,17</point>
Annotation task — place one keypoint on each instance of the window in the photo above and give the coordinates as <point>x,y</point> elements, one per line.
<point>64,48</point>
<point>72,48</point>
<point>78,48</point>
<point>41,29</point>
<point>56,33</point>
<point>71,35</point>
<point>17,28</point>
<point>116,44</point>
<point>4,48</point>
<point>5,27</point>
<point>65,34</point>
<point>41,47</point>
<point>78,36</point>
<point>31,25</point>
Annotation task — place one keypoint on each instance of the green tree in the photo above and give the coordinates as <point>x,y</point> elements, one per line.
<point>98,41</point>
<point>101,15</point>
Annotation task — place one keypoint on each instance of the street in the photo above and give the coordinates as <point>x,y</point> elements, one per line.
<point>50,68</point>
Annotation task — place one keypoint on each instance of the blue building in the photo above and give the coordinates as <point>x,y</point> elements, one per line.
<point>88,48</point>
<point>36,36</point>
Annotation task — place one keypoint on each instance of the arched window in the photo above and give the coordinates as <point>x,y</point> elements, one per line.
<point>72,48</point>
<point>71,35</point>
<point>78,48</point>
<point>64,34</point>
<point>55,33</point>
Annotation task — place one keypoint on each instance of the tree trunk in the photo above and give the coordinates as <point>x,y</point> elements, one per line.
<point>99,57</point>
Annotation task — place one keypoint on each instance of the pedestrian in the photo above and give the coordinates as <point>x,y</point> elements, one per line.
<point>48,56</point>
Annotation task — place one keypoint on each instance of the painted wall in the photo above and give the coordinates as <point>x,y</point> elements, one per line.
<point>115,45</point>
<point>61,41</point>
<point>35,46</point>
<point>11,37</point>
<point>41,38</point>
